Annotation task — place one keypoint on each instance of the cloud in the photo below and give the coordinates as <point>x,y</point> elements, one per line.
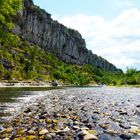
<point>118,40</point>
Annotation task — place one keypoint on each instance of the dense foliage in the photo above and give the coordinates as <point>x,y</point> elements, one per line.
<point>8,11</point>
<point>24,62</point>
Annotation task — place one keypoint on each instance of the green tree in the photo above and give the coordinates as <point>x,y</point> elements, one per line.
<point>130,72</point>
<point>8,10</point>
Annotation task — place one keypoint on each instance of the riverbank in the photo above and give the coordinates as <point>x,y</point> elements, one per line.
<point>76,114</point>
<point>42,84</point>
<point>26,84</point>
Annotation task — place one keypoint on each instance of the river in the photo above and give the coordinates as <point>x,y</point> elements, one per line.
<point>14,99</point>
<point>110,111</point>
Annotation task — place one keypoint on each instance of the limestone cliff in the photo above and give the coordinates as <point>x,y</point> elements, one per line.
<point>36,26</point>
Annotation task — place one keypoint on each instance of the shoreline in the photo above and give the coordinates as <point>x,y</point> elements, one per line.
<point>26,84</point>
<point>40,84</point>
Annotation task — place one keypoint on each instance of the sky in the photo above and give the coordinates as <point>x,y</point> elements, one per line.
<point>111,28</point>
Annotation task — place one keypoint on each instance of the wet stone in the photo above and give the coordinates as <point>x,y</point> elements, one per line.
<point>95,118</point>
<point>112,132</point>
<point>85,121</point>
<point>89,125</point>
<point>27,110</point>
<point>76,127</point>
<point>126,136</point>
<point>123,112</point>
<point>82,133</point>
<point>125,125</point>
<point>104,126</point>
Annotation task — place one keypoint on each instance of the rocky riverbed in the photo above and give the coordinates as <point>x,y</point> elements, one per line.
<point>78,114</point>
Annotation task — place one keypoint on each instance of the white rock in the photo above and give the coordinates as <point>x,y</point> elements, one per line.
<point>84,128</point>
<point>76,127</point>
<point>6,139</point>
<point>90,137</point>
<point>134,130</point>
<point>43,132</point>
<point>31,132</point>
<point>133,124</point>
<point>82,133</point>
<point>66,129</point>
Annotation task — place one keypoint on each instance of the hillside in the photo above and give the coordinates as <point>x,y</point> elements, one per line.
<point>36,26</point>
<point>28,63</point>
<point>40,49</point>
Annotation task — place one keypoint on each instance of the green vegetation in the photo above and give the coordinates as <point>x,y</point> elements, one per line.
<point>8,11</point>
<point>20,61</point>
<point>24,62</point>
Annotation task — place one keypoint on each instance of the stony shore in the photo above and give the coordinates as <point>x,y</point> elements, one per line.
<point>25,84</point>
<point>76,114</point>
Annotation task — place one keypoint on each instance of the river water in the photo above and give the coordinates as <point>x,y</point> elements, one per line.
<point>106,109</point>
<point>14,99</point>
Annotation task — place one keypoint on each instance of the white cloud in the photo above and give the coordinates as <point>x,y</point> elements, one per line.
<point>118,40</point>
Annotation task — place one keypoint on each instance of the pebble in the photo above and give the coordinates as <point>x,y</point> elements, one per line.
<point>76,127</point>
<point>48,121</point>
<point>43,132</point>
<point>90,137</point>
<point>63,122</point>
<point>84,128</point>
<point>125,125</point>
<point>123,113</point>
<point>6,139</point>
<point>89,125</point>
<point>133,124</point>
<point>111,132</point>
<point>53,134</point>
<point>8,130</point>
<point>48,137</point>
<point>118,120</point>
<point>31,132</point>
<point>82,133</point>
<point>134,130</point>
<point>125,136</point>
<point>105,126</point>
<point>106,114</point>
<point>66,129</point>
<point>93,132</point>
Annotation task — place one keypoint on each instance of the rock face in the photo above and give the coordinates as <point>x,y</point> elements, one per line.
<point>36,26</point>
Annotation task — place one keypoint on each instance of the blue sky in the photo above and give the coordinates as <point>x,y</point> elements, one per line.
<point>111,28</point>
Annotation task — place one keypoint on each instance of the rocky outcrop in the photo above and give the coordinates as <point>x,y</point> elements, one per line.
<point>36,26</point>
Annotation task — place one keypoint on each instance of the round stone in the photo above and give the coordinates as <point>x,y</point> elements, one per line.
<point>43,132</point>
<point>90,137</point>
